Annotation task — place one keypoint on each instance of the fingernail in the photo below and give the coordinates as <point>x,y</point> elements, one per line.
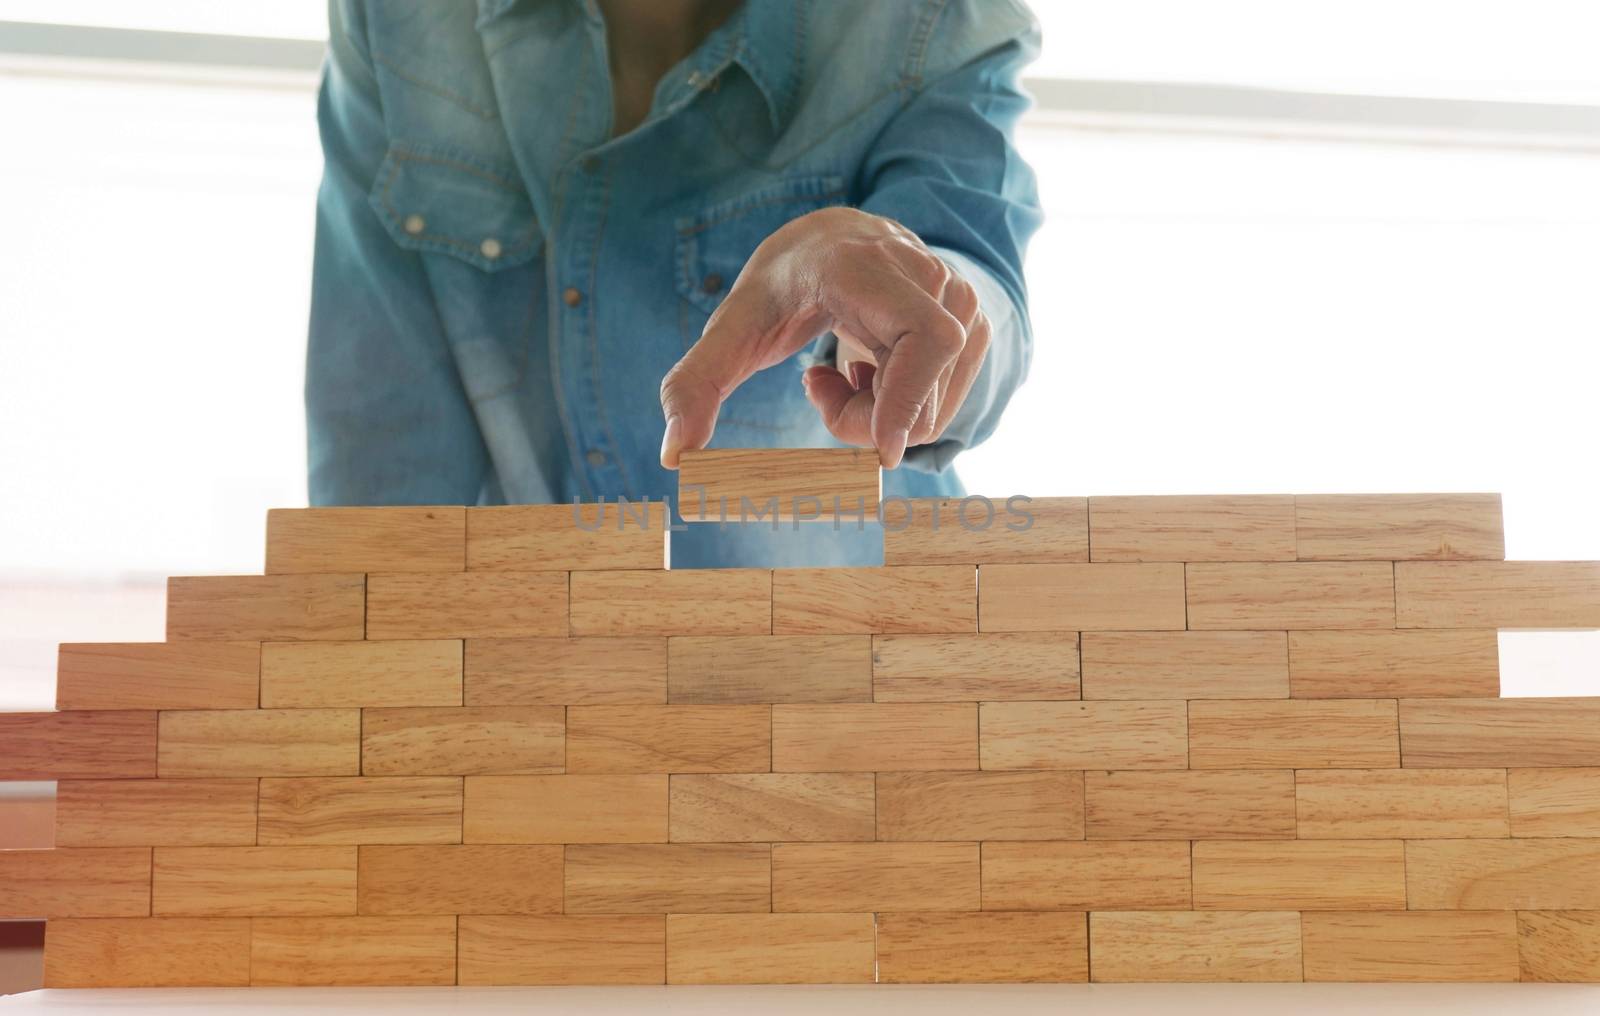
<point>669,442</point>
<point>897,448</point>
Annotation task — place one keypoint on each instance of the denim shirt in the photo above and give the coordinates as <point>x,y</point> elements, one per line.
<point>500,283</point>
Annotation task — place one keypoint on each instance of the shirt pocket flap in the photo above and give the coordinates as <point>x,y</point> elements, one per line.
<point>448,203</point>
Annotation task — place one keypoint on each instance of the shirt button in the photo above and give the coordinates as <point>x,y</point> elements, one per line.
<point>571,297</point>
<point>711,283</point>
<point>415,224</point>
<point>596,458</point>
<point>490,248</point>
<point>696,79</point>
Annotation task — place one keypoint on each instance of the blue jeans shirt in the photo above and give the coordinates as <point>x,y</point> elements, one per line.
<point>500,283</point>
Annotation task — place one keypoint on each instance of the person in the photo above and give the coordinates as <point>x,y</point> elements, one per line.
<point>795,222</point>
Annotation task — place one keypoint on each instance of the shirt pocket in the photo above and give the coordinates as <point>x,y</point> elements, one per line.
<point>446,202</point>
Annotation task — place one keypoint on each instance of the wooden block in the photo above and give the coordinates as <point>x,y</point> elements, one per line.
<point>460,879</point>
<point>699,601</point>
<point>77,745</point>
<point>566,809</point>
<point>1299,875</point>
<point>1459,945</point>
<point>257,608</point>
<point>163,813</point>
<point>1394,664</point>
<point>254,881</point>
<point>562,950</point>
<point>392,539</point>
<point>1185,665</point>
<point>848,877</point>
<point>1530,874</point>
<point>360,809</point>
<point>1559,945</point>
<point>260,742</point>
<point>147,952</point>
<point>771,806</point>
<point>321,675</point>
<point>662,878</point>
<point>865,737</point>
<point>991,666</point>
<point>769,668</point>
<point>770,949</point>
<point>563,537</point>
<point>923,598</point>
<point>1086,875</point>
<point>449,605</point>
<point>1501,732</point>
<point>982,947</point>
<point>1293,594</point>
<point>566,672</point>
<point>1080,597</point>
<point>1190,528</point>
<point>980,530</point>
<point>1553,802</point>
<point>1294,734</point>
<point>1399,527</point>
<point>158,675</point>
<point>75,882</point>
<point>1217,946</point>
<point>390,951</point>
<point>1375,804</point>
<point>1189,804</point>
<point>1081,735</point>
<point>739,485</point>
<point>669,739</point>
<point>980,806</point>
<point>463,740</point>
<point>1497,594</point>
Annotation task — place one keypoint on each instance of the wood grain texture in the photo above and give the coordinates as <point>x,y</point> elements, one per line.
<point>1081,597</point>
<point>1501,732</point>
<point>75,882</point>
<point>1292,594</point>
<point>1185,665</point>
<point>1460,945</point>
<point>769,668</point>
<point>557,537</point>
<point>463,740</point>
<point>163,813</point>
<point>759,484</point>
<point>988,666</point>
<point>1294,734</point>
<point>466,605</point>
<point>254,881</point>
<point>1189,804</point>
<point>1216,946</point>
<point>353,951</point>
<point>1081,735</point>
<point>1525,874</point>
<point>566,672</point>
<point>851,877</point>
<point>391,539</point>
<point>563,950</point>
<point>257,608</point>
<point>1399,527</point>
<point>77,745</point>
<point>1086,875</point>
<point>985,947</point>
<point>1375,804</point>
<point>360,809</point>
<point>566,809</point>
<point>147,952</point>
<point>864,737</point>
<point>927,599</point>
<point>260,742</point>
<point>669,739</point>
<point>459,879</point>
<point>1192,528</point>
<point>988,805</point>
<point>158,675</point>
<point>1497,594</point>
<point>322,675</point>
<point>980,530</point>
<point>700,601</point>
<point>771,806</point>
<point>1554,802</point>
<point>1412,663</point>
<point>1299,875</point>
<point>661,878</point>
<point>770,949</point>
<point>1557,945</point>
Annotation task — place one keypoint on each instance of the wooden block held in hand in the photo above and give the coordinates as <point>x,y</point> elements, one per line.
<point>563,950</point>
<point>1185,665</point>
<point>1399,527</point>
<point>1083,735</point>
<point>1216,946</point>
<point>988,805</point>
<point>147,952</point>
<point>1501,732</point>
<point>75,882</point>
<point>980,530</point>
<point>1189,804</point>
<point>759,484</point>
<point>254,881</point>
<point>697,601</point>
<point>987,666</point>
<point>353,951</point>
<point>1453,945</point>
<point>360,809</point>
<point>1293,594</point>
<point>1554,802</point>
<point>1081,597</point>
<point>770,949</point>
<point>1372,804</point>
<point>321,675</point>
<point>162,813</point>
<point>463,740</point>
<point>566,672</point>
<point>669,739</point>
<point>1299,875</point>
<point>158,675</point>
<point>1192,528</point>
<point>459,879</point>
<point>559,537</point>
<point>984,947</point>
<point>1086,875</point>
<point>77,745</point>
<point>566,809</point>
<point>1294,734</point>
<point>1559,945</point>
<point>466,605</point>
<point>769,668</point>
<point>398,539</point>
<point>922,598</point>
<point>748,807</point>
<point>1497,594</point>
<point>663,878</point>
<point>1550,874</point>
<point>1413,663</point>
<point>259,608</point>
<point>851,877</point>
<point>260,742</point>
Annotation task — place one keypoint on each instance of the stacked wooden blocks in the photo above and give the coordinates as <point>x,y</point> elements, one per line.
<point>1137,738</point>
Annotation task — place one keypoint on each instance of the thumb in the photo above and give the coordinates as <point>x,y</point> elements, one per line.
<point>722,360</point>
<point>690,404</point>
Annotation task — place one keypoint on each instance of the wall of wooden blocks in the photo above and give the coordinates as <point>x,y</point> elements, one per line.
<point>1144,738</point>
